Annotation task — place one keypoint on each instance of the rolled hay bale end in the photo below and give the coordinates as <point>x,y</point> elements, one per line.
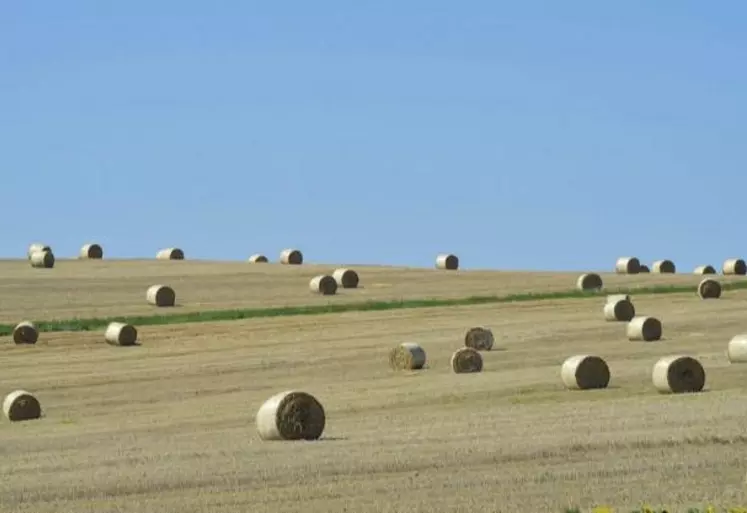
<point>589,282</point>
<point>25,332</point>
<point>91,252</point>
<point>21,405</point>
<point>258,259</point>
<point>643,269</point>
<point>704,269</point>
<point>620,310</point>
<point>479,338</point>
<point>120,334</point>
<point>346,278</point>
<point>466,360</point>
<point>447,261</point>
<point>736,351</point>
<point>678,374</point>
<point>585,372</point>
<point>734,266</point>
<point>291,415</point>
<point>323,284</point>
<point>407,356</point>
<point>611,298</point>
<point>644,328</point>
<point>42,260</point>
<point>628,265</point>
<point>170,254</point>
<point>664,267</point>
<point>709,289</point>
<point>161,295</point>
<point>291,257</point>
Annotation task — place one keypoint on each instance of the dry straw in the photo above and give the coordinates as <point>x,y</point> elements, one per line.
<point>644,328</point>
<point>589,281</point>
<point>709,289</point>
<point>627,265</point>
<point>91,252</point>
<point>619,310</point>
<point>258,259</point>
<point>33,248</point>
<point>21,405</point>
<point>736,351</point>
<point>466,360</point>
<point>170,254</point>
<point>704,269</point>
<point>643,269</point>
<point>407,356</point>
<point>120,334</point>
<point>479,338</point>
<point>291,257</point>
<point>585,372</point>
<point>447,261</point>
<point>161,295</point>
<point>291,415</point>
<point>42,259</point>
<point>346,278</point>
<point>664,267</point>
<point>678,374</point>
<point>734,266</point>
<point>25,333</point>
<point>323,284</point>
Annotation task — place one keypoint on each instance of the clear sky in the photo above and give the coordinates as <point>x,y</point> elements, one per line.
<point>518,135</point>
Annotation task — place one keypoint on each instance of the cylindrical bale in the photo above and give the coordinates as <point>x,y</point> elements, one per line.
<point>704,269</point>
<point>678,374</point>
<point>611,298</point>
<point>323,284</point>
<point>466,360</point>
<point>25,332</point>
<point>258,259</point>
<point>585,372</point>
<point>346,278</point>
<point>37,246</point>
<point>620,310</point>
<point>589,282</point>
<point>734,266</point>
<point>161,295</point>
<point>42,259</point>
<point>664,267</point>
<point>92,252</point>
<point>291,257</point>
<point>120,334</point>
<point>21,405</point>
<point>407,356</point>
<point>448,262</point>
<point>644,328</point>
<point>643,269</point>
<point>479,338</point>
<point>709,289</point>
<point>628,265</point>
<point>291,415</point>
<point>736,351</point>
<point>170,254</point>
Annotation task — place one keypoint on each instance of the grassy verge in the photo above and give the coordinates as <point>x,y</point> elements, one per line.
<point>368,306</point>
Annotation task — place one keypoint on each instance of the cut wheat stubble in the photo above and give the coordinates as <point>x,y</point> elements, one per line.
<point>161,295</point>
<point>678,374</point>
<point>589,282</point>
<point>736,351</point>
<point>619,310</point>
<point>291,257</point>
<point>290,416</point>
<point>447,262</point>
<point>91,251</point>
<point>170,254</point>
<point>21,405</point>
<point>734,266</point>
<point>25,332</point>
<point>704,269</point>
<point>644,328</point>
<point>346,278</point>
<point>585,372</point>
<point>323,284</point>
<point>466,360</point>
<point>709,289</point>
<point>627,265</point>
<point>120,334</point>
<point>42,260</point>
<point>258,259</point>
<point>479,338</point>
<point>407,356</point>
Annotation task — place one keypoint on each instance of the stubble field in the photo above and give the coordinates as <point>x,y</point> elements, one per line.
<point>169,425</point>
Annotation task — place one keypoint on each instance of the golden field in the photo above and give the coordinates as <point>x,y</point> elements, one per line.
<point>169,425</point>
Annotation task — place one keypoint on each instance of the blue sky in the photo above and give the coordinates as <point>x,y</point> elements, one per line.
<point>518,135</point>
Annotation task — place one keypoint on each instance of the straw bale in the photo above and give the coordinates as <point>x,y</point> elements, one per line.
<point>346,278</point>
<point>170,254</point>
<point>585,372</point>
<point>466,360</point>
<point>678,374</point>
<point>161,295</point>
<point>91,251</point>
<point>644,328</point>
<point>664,267</point>
<point>21,405</point>
<point>589,281</point>
<point>323,284</point>
<point>291,415</point>
<point>291,257</point>
<point>407,356</point>
<point>709,289</point>
<point>628,265</point>
<point>479,338</point>
<point>25,332</point>
<point>120,334</point>
<point>447,261</point>
<point>734,266</point>
<point>620,310</point>
<point>42,260</point>
<point>258,259</point>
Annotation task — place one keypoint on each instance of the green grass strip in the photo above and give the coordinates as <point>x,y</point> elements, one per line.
<point>368,306</point>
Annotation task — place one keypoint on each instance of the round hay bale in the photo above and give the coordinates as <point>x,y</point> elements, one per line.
<point>448,262</point>
<point>42,259</point>
<point>33,248</point>
<point>585,372</point>
<point>161,295</point>
<point>170,254</point>
<point>21,405</point>
<point>258,259</point>
<point>736,351</point>
<point>120,334</point>
<point>466,360</point>
<point>291,415</point>
<point>479,338</point>
<point>91,252</point>
<point>291,257</point>
<point>643,269</point>
<point>734,266</point>
<point>589,281</point>
<point>323,284</point>
<point>620,310</point>
<point>704,269</point>
<point>407,356</point>
<point>25,332</point>
<point>644,328</point>
<point>346,278</point>
<point>664,267</point>
<point>678,374</point>
<point>611,298</point>
<point>709,289</point>
<point>627,265</point>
